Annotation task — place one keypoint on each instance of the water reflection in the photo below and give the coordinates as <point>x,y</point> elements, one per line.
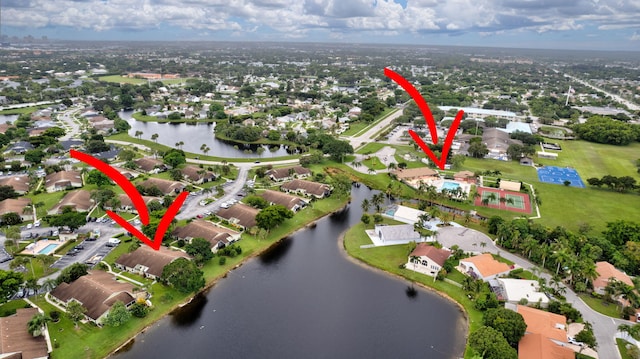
<point>276,253</point>
<point>190,313</point>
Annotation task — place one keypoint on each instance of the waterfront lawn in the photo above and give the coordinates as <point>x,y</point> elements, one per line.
<point>622,348</point>
<point>389,259</point>
<point>374,163</point>
<point>606,308</point>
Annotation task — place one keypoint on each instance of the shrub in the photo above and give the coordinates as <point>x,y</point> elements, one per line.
<point>222,260</point>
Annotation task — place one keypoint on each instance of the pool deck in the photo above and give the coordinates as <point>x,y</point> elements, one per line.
<point>40,245</point>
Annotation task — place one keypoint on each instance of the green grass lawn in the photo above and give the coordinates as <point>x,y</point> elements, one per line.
<point>371,147</point>
<point>10,307</point>
<point>622,348</point>
<point>374,162</point>
<point>596,160</point>
<point>22,110</point>
<point>609,309</point>
<point>389,258</point>
<point>354,128</point>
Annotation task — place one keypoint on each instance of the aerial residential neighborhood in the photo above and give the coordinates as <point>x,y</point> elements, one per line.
<point>298,167</point>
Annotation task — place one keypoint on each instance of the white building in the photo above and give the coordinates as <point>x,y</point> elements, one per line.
<point>515,290</point>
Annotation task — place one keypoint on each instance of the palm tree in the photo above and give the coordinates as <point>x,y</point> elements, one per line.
<point>48,285</point>
<point>561,256</point>
<point>377,200</point>
<point>392,166</point>
<point>371,171</point>
<point>356,164</point>
<point>37,324</point>
<point>545,250</point>
<point>528,244</point>
<point>485,202</point>
<point>154,137</point>
<point>492,197</point>
<point>32,284</point>
<point>434,212</point>
<point>138,134</point>
<point>179,144</point>
<point>366,205</point>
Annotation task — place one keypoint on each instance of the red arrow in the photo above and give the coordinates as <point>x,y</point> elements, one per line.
<point>136,199</point>
<point>428,117</point>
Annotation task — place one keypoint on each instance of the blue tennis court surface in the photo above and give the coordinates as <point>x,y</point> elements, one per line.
<point>557,175</point>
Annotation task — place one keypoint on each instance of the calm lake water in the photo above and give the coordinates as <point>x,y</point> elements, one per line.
<point>193,137</point>
<point>304,299</point>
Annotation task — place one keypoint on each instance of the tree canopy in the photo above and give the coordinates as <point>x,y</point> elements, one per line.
<point>509,323</point>
<point>272,216</point>
<point>200,249</point>
<point>490,344</point>
<point>183,275</point>
<point>10,282</point>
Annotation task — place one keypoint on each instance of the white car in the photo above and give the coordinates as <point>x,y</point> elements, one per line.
<point>225,205</point>
<point>29,226</point>
<point>137,222</point>
<point>36,224</point>
<point>203,203</point>
<point>207,213</point>
<point>573,341</point>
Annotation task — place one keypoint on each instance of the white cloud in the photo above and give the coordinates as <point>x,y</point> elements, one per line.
<point>298,18</point>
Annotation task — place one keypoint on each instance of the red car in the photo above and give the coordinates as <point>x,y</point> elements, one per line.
<point>200,216</point>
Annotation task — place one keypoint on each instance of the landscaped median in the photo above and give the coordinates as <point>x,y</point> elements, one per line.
<point>389,258</point>
<point>89,341</point>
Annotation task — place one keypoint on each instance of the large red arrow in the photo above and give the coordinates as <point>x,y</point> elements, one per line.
<point>428,117</point>
<point>136,199</point>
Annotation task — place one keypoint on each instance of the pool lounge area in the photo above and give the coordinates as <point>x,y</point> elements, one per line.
<point>44,246</point>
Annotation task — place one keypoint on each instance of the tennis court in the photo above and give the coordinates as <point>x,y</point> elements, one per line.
<point>557,175</point>
<point>511,201</point>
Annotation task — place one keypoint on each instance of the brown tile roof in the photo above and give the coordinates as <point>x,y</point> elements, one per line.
<point>4,127</point>
<point>14,205</point>
<point>314,188</point>
<point>486,265</point>
<point>195,173</point>
<point>125,200</point>
<point>20,184</point>
<point>605,271</point>
<point>80,200</point>
<point>245,215</point>
<point>166,186</point>
<point>126,172</point>
<point>537,346</point>
<point>549,325</point>
<point>281,173</point>
<point>153,260</point>
<point>63,178</point>
<point>284,199</point>
<point>435,254</point>
<point>414,173</point>
<point>95,291</point>
<point>207,230</point>
<point>14,337</point>
<point>147,164</point>
<point>464,174</point>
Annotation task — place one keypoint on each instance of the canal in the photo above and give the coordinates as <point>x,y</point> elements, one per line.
<point>305,299</point>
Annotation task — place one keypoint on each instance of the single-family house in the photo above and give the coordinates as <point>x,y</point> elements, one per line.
<point>148,262</point>
<point>15,340</point>
<point>405,214</point>
<point>20,184</point>
<point>97,292</point>
<point>150,165</point>
<point>239,214</point>
<point>197,175</point>
<point>497,142</point>
<point>288,173</point>
<point>291,202</point>
<point>606,273</point>
<point>538,346</point>
<point>217,236</point>
<point>167,187</point>
<point>307,188</point>
<point>483,267</point>
<point>59,181</point>
<point>19,148</point>
<point>19,206</point>
<point>400,233</point>
<point>514,291</point>
<point>80,200</point>
<point>544,329</point>
<point>129,174</point>
<point>427,259</point>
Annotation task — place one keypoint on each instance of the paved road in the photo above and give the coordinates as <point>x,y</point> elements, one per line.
<point>72,128</point>
<point>357,141</point>
<point>629,104</point>
<point>604,327</point>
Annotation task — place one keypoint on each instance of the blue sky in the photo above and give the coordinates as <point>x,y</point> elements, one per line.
<point>555,24</point>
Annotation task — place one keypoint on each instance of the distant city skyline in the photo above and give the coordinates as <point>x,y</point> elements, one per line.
<point>553,24</point>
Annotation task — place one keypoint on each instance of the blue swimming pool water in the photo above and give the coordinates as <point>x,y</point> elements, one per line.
<point>449,185</point>
<point>48,249</point>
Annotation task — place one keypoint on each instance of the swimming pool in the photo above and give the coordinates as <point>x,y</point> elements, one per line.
<point>48,249</point>
<point>451,186</point>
